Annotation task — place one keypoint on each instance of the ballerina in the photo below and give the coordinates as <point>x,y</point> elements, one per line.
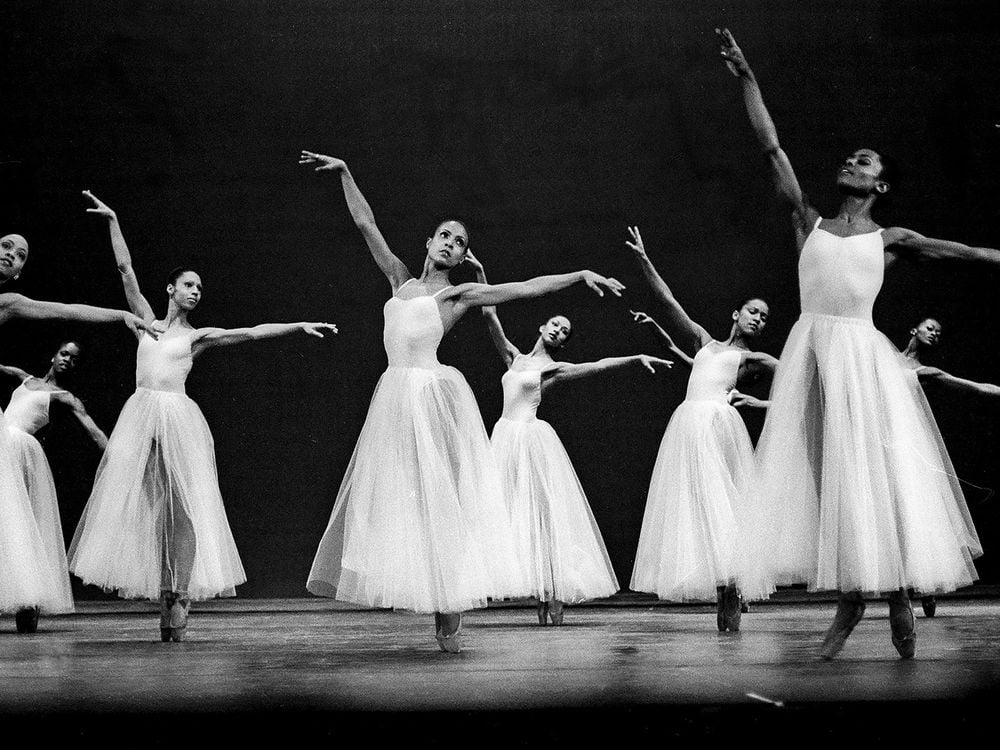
<point>419,522</point>
<point>855,489</point>
<point>689,529</point>
<point>29,579</point>
<point>558,539</point>
<point>27,413</point>
<point>155,526</point>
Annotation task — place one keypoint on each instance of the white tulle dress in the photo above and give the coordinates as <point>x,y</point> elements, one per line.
<point>155,519</point>
<point>688,542</point>
<point>854,488</point>
<point>558,541</point>
<point>419,522</point>
<point>27,413</point>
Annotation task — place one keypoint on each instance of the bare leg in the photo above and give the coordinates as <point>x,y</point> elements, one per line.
<point>850,610</point>
<point>903,624</point>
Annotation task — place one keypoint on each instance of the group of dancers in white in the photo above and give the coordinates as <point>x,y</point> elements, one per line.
<point>850,488</point>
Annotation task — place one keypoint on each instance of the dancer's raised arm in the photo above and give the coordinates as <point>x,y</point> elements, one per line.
<point>785,181</point>
<point>14,372</point>
<point>393,268</point>
<point>206,338</point>
<point>694,335</point>
<point>506,349</point>
<point>643,319</point>
<point>13,306</point>
<point>136,301</point>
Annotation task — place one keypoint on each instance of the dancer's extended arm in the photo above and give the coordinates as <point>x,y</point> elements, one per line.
<point>13,306</point>
<point>76,405</point>
<point>563,371</point>
<point>14,372</point>
<point>504,347</point>
<point>906,243</point>
<point>644,319</point>
<point>393,268</point>
<point>206,338</point>
<point>932,375</point>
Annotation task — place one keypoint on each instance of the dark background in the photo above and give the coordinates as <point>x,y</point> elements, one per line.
<point>550,127</point>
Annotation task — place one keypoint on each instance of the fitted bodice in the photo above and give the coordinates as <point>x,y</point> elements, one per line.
<point>713,374</point>
<point>412,332</point>
<point>522,389</point>
<point>841,276</point>
<point>163,364</point>
<point>28,409</point>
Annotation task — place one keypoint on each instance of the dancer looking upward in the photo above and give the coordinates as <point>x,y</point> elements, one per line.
<point>419,522</point>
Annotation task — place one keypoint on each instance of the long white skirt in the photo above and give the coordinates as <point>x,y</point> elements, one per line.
<point>30,459</point>
<point>419,522</point>
<point>687,546</point>
<point>558,541</point>
<point>854,489</point>
<point>155,518</point>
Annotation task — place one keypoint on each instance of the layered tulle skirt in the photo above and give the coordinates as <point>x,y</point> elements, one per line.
<point>27,576</point>
<point>419,522</point>
<point>688,542</point>
<point>854,488</point>
<point>559,544</point>
<point>155,519</point>
<point>30,460</point>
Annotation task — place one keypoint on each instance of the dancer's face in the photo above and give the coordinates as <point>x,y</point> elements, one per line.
<point>448,246</point>
<point>556,332</point>
<point>66,358</point>
<point>752,317</point>
<point>928,333</point>
<point>13,255</point>
<point>859,173</point>
<point>186,290</point>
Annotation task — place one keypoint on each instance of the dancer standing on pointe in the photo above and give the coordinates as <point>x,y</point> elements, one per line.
<point>419,522</point>
<point>688,542</point>
<point>29,580</point>
<point>855,491</point>
<point>558,540</point>
<point>925,336</point>
<point>27,413</point>
<point>155,526</point>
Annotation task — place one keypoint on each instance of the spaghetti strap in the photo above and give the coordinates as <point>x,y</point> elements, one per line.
<point>818,220</point>
<point>441,290</point>
<point>405,283</point>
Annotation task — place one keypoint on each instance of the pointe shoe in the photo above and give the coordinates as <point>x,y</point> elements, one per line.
<point>744,605</point>
<point>167,599</point>
<point>904,627</point>
<point>849,614</point>
<point>729,611</point>
<point>720,608</point>
<point>929,605</point>
<point>179,618</point>
<point>451,643</point>
<point>27,620</point>
<point>543,613</point>
<point>556,612</point>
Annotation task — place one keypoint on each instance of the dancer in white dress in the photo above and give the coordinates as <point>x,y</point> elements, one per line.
<point>419,522</point>
<point>855,490</point>
<point>558,540</point>
<point>27,413</point>
<point>688,542</point>
<point>28,579</point>
<point>155,526</point>
<point>924,336</point>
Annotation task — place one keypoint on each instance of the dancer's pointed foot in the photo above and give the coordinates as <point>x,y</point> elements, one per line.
<point>27,620</point>
<point>929,605</point>
<point>167,599</point>
<point>728,609</point>
<point>543,612</point>
<point>720,608</point>
<point>449,633</point>
<point>850,610</point>
<point>179,617</point>
<point>556,612</point>
<point>903,625</point>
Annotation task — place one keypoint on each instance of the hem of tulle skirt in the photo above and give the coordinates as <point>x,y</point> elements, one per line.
<point>864,589</point>
<point>325,590</point>
<point>125,592</point>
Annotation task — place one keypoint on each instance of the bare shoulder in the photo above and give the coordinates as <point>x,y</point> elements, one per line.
<point>899,236</point>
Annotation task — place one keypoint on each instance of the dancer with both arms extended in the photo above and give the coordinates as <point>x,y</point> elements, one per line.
<point>420,522</point>
<point>688,542</point>
<point>155,526</point>
<point>558,540</point>
<point>30,576</point>
<point>855,491</point>
<point>27,413</point>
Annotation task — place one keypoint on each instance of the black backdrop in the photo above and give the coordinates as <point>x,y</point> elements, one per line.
<point>550,126</point>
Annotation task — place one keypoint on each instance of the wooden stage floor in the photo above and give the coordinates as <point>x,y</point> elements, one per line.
<point>310,668</point>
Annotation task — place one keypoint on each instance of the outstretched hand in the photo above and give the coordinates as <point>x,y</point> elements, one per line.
<point>641,318</point>
<point>651,363</point>
<point>732,53</point>
<point>473,262</point>
<point>136,324</point>
<point>100,207</point>
<point>636,244</point>
<point>738,399</point>
<point>316,329</point>
<point>326,163</point>
<point>599,283</point>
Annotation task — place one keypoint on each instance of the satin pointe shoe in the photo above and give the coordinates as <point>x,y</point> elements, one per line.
<point>850,610</point>
<point>904,627</point>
